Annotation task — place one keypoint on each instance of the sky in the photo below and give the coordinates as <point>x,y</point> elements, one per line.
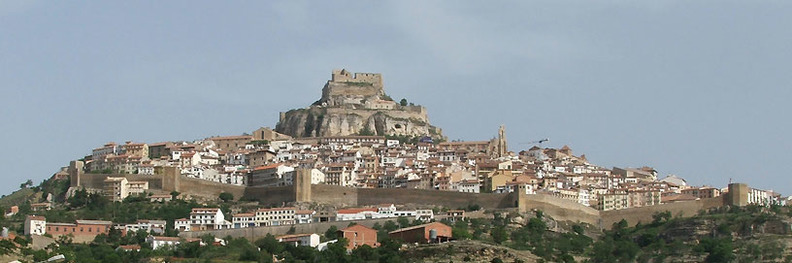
<point>696,89</point>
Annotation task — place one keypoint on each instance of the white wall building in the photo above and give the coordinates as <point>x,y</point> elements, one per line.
<point>243,220</point>
<point>275,216</point>
<point>182,224</point>
<point>35,225</point>
<point>207,218</point>
<point>306,240</point>
<point>304,216</point>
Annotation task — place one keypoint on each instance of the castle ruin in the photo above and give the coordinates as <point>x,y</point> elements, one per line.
<point>356,104</point>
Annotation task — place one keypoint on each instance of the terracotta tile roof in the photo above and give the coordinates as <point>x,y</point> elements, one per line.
<point>245,215</point>
<point>356,228</point>
<point>159,238</point>
<point>94,222</point>
<point>267,167</point>
<point>40,218</point>
<point>211,210</point>
<point>417,227</point>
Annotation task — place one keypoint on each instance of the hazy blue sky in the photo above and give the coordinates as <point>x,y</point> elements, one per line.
<point>698,89</point>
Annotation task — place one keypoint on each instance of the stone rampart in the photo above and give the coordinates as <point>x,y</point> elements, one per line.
<point>276,196</point>
<point>335,195</point>
<point>644,214</point>
<point>183,184</point>
<point>96,181</point>
<point>567,210</point>
<point>559,209</point>
<point>207,189</point>
<point>346,197</point>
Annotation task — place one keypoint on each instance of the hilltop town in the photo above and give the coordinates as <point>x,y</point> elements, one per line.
<point>356,155</point>
<point>369,156</point>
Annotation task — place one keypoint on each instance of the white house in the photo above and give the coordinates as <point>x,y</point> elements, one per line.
<point>244,220</point>
<point>156,226</point>
<point>304,216</point>
<point>386,209</point>
<point>357,214</point>
<point>275,216</point>
<point>317,176</point>
<point>182,224</point>
<point>424,215</point>
<point>306,240</point>
<point>158,242</point>
<point>147,169</point>
<point>207,218</point>
<point>35,225</point>
<point>467,186</point>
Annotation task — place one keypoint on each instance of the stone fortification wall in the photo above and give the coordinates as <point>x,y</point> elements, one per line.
<point>207,189</point>
<point>335,195</point>
<point>96,181</point>
<point>567,210</point>
<point>253,233</point>
<point>341,75</point>
<point>276,196</point>
<point>345,197</point>
<point>559,209</point>
<point>167,183</point>
<point>644,214</point>
<point>333,89</point>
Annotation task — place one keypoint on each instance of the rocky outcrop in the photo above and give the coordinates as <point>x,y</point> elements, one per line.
<point>322,122</point>
<point>356,105</point>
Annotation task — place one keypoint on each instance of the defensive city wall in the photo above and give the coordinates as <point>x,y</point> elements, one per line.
<point>302,191</point>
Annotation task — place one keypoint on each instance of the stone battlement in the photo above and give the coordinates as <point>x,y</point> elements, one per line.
<point>343,75</point>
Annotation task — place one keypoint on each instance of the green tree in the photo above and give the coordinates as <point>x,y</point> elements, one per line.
<point>659,217</point>
<point>389,226</point>
<point>366,253</point>
<point>403,102</point>
<point>270,244</point>
<point>403,221</point>
<point>26,184</point>
<point>226,196</point>
<point>460,230</point>
<point>331,233</point>
<point>499,234</point>
<point>720,250</point>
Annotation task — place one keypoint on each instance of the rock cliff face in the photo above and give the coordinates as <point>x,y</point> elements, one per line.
<point>352,105</point>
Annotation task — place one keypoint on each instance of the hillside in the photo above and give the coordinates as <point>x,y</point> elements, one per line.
<point>726,234</point>
<point>18,197</point>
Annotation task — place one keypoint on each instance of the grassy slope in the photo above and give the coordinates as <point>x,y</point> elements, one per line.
<point>17,198</point>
